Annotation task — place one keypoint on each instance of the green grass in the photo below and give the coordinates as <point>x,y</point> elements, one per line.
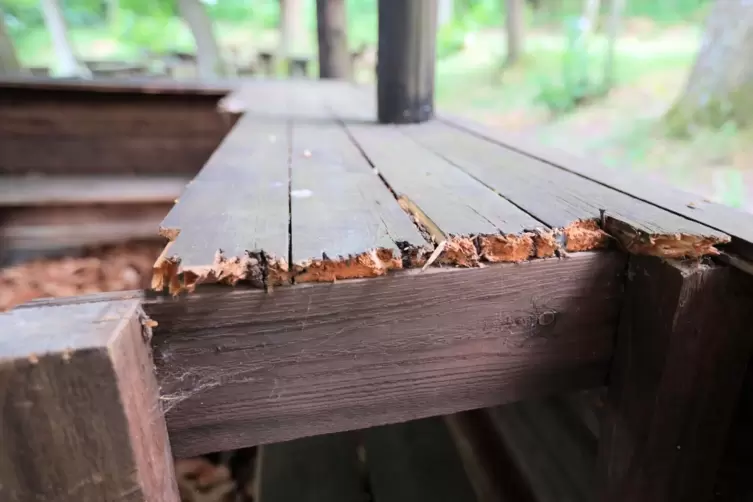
<point>474,79</point>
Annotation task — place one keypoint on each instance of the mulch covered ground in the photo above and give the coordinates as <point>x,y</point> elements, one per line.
<point>225,477</point>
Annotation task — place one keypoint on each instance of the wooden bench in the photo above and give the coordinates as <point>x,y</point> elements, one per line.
<point>387,273</point>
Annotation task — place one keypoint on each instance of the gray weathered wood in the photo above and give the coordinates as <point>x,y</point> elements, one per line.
<point>456,202</point>
<point>81,419</point>
<point>75,190</point>
<point>560,198</point>
<point>692,206</point>
<point>235,213</point>
<point>415,462</point>
<point>315,469</point>
<point>341,211</point>
<point>314,359</point>
<point>681,355</point>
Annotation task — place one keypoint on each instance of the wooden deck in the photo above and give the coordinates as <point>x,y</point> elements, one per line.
<point>385,273</point>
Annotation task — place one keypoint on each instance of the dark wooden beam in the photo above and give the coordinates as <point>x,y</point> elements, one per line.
<point>332,32</point>
<point>60,129</point>
<point>81,418</point>
<point>681,354</point>
<point>244,367</point>
<point>405,66</point>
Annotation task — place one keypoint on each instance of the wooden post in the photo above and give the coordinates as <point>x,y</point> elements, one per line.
<point>405,66</point>
<point>332,32</point>
<point>81,418</point>
<point>682,348</point>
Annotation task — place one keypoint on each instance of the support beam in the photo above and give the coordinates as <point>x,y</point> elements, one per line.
<point>81,418</point>
<point>333,357</point>
<point>681,354</point>
<point>405,66</point>
<point>332,32</point>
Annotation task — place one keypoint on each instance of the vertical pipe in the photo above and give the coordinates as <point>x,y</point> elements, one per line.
<point>405,67</point>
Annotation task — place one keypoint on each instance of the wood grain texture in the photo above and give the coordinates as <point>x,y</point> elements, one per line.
<point>55,132</point>
<point>415,462</point>
<point>81,419</point>
<point>234,216</point>
<point>560,199</point>
<point>732,221</point>
<point>681,354</point>
<point>314,359</point>
<point>345,222</point>
<point>74,190</point>
<point>315,469</point>
<point>461,207</point>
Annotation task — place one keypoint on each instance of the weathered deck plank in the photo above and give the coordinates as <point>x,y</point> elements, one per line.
<point>566,201</point>
<point>694,207</point>
<point>438,194</point>
<point>345,222</point>
<point>231,223</point>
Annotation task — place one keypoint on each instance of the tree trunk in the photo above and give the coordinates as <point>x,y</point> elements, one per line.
<point>8,61</point>
<point>444,12</point>
<point>331,24</point>
<point>113,8</point>
<point>291,27</point>
<point>613,29</point>
<point>720,86</point>
<point>514,23</point>
<point>207,51</point>
<point>66,64</point>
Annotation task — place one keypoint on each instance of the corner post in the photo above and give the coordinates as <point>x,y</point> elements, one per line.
<point>682,347</point>
<point>405,66</point>
<point>81,418</point>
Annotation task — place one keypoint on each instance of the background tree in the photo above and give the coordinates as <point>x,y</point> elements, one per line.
<point>331,23</point>
<point>207,50</point>
<point>613,30</point>
<point>444,12</point>
<point>720,85</point>
<point>514,23</point>
<point>291,27</point>
<point>66,64</point>
<point>8,61</point>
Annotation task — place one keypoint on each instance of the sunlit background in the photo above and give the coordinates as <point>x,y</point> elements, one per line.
<point>558,85</point>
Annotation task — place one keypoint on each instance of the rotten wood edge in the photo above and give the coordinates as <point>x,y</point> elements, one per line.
<point>463,251</point>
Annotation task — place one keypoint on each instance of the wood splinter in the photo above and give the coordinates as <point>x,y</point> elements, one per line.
<point>170,271</point>
<point>459,251</point>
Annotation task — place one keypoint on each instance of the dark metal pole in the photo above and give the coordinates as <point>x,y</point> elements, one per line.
<point>405,66</point>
